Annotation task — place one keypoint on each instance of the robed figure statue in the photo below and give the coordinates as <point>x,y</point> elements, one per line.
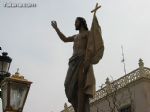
<point>88,49</point>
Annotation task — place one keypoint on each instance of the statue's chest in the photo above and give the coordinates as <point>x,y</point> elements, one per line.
<point>80,41</point>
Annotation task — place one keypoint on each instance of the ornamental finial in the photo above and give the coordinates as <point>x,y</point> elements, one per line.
<point>141,63</point>
<point>18,76</point>
<point>17,71</point>
<point>107,81</point>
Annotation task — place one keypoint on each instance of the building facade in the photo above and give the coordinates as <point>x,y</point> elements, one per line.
<point>130,93</point>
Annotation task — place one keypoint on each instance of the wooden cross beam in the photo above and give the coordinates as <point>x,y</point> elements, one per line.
<point>96,8</point>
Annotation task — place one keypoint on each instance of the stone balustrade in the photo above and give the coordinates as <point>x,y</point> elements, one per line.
<point>109,87</point>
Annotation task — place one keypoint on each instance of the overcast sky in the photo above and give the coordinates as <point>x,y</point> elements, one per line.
<point>26,34</point>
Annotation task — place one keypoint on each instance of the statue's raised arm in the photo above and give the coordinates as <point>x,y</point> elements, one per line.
<point>60,34</point>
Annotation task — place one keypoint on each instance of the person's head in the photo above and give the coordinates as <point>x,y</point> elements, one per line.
<point>80,23</point>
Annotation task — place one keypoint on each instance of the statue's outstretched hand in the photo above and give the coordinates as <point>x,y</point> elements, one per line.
<point>54,24</point>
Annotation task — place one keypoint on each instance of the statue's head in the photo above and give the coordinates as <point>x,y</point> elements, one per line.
<point>80,23</point>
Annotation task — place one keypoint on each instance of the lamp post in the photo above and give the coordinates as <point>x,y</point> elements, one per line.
<point>14,89</point>
<point>14,93</point>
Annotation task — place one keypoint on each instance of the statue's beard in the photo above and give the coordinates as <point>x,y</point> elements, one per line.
<point>78,27</point>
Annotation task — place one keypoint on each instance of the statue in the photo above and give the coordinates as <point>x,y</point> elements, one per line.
<point>87,50</point>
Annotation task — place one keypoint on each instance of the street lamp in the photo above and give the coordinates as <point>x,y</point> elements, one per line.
<point>5,61</point>
<point>14,89</point>
<point>14,93</point>
<point>4,66</point>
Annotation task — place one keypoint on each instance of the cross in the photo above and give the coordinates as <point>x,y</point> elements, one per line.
<point>96,8</point>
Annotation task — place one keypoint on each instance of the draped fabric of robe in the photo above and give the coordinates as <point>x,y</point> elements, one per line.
<point>94,53</point>
<point>71,81</point>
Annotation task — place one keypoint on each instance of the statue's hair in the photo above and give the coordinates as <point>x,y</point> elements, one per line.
<point>83,22</point>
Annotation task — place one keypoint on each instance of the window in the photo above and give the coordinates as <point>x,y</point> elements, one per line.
<point>126,109</point>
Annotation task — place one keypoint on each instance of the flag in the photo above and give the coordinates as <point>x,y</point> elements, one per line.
<point>95,45</point>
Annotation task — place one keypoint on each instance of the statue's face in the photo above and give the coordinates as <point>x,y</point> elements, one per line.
<point>77,24</point>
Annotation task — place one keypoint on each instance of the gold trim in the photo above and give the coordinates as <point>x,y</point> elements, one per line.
<point>17,76</point>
